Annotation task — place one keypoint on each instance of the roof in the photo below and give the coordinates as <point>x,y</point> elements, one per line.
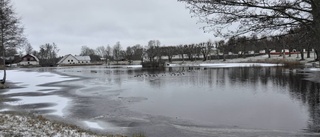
<point>78,58</point>
<point>61,60</point>
<point>36,58</point>
<point>83,58</point>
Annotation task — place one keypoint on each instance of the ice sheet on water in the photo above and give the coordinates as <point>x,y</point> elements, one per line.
<point>93,125</point>
<point>60,102</point>
<point>30,82</point>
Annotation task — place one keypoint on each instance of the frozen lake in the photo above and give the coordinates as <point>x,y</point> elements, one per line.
<point>177,101</point>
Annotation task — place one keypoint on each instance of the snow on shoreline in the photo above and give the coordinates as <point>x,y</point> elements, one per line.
<point>26,125</point>
<point>225,65</point>
<point>31,126</point>
<point>30,81</point>
<point>93,125</point>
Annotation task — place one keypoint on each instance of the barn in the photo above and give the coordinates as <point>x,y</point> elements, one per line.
<point>28,60</point>
<point>74,60</point>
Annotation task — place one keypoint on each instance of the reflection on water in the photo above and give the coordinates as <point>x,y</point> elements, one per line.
<point>259,98</point>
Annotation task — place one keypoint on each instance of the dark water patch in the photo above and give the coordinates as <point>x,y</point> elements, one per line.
<point>254,99</point>
<point>46,76</point>
<point>242,97</point>
<point>132,99</point>
<point>26,94</point>
<point>42,112</point>
<point>47,90</point>
<point>36,105</point>
<point>5,99</point>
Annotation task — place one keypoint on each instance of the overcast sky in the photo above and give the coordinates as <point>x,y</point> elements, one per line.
<point>72,24</point>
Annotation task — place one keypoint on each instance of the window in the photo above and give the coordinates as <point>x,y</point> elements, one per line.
<point>72,60</point>
<point>68,60</point>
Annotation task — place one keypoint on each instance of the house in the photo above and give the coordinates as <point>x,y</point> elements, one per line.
<point>83,59</point>
<point>29,59</point>
<point>74,60</point>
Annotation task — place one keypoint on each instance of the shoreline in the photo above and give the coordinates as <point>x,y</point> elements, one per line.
<point>77,130</point>
<point>26,124</point>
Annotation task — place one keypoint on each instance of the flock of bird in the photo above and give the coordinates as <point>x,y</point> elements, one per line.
<point>178,73</point>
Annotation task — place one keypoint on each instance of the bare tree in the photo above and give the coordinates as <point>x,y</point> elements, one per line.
<point>108,51</point>
<point>104,52</point>
<point>255,15</point>
<point>129,54</point>
<point>117,51</point>
<point>101,51</point>
<point>190,51</point>
<point>205,49</point>
<point>28,48</point>
<point>11,33</point>
<point>222,47</point>
<point>181,50</point>
<point>153,49</point>
<point>86,51</point>
<point>238,17</point>
<point>48,54</point>
<point>169,51</point>
<point>138,52</point>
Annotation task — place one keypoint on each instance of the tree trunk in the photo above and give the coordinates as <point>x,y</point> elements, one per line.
<point>308,52</point>
<point>170,58</point>
<point>4,65</point>
<point>317,54</point>
<point>290,52</point>
<point>182,57</point>
<point>268,52</point>
<point>316,25</point>
<point>204,57</point>
<point>302,54</point>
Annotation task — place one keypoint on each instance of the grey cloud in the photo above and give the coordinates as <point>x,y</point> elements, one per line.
<point>74,23</point>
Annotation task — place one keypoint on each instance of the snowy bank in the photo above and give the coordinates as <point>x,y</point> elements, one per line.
<point>31,126</point>
<point>225,65</point>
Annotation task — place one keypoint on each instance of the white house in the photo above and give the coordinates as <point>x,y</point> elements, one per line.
<point>73,60</point>
<point>29,59</point>
<point>83,59</point>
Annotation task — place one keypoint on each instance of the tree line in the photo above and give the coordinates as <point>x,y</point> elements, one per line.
<point>292,24</point>
<point>241,46</point>
<point>276,19</point>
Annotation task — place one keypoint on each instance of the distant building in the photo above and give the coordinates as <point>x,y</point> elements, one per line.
<point>74,60</point>
<point>83,59</point>
<point>29,59</point>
